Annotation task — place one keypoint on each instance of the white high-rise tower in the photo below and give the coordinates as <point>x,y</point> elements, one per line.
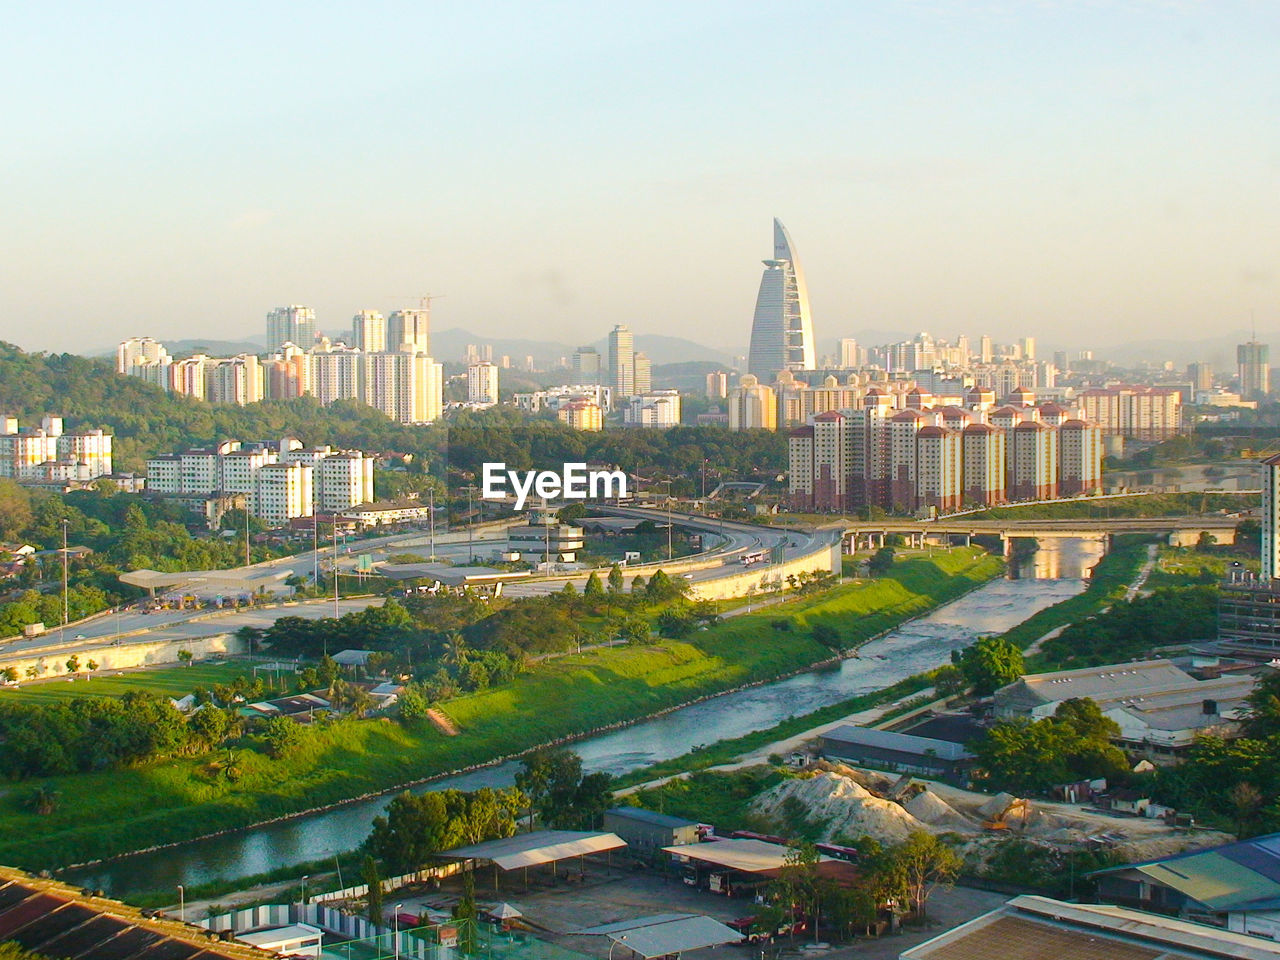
<point>782,329</point>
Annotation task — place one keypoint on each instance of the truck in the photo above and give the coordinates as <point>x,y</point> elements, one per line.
<point>33,629</point>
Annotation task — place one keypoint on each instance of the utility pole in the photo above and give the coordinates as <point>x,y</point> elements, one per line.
<point>66,607</point>
<point>471,523</point>
<point>246,530</point>
<point>431,510</point>
<point>335,567</point>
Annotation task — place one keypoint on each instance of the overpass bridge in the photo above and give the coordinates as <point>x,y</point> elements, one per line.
<point>1180,531</point>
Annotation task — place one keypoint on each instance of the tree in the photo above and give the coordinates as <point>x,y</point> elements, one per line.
<point>44,799</point>
<point>926,863</point>
<point>1264,707</point>
<point>615,579</point>
<point>374,898</point>
<point>534,779</point>
<point>73,664</point>
<point>1247,801</point>
<point>796,887</point>
<point>185,657</point>
<point>948,680</point>
<point>91,666</point>
<point>281,736</point>
<point>593,590</point>
<point>10,674</point>
<point>210,725</point>
<point>881,561</point>
<point>989,664</point>
<point>413,703</point>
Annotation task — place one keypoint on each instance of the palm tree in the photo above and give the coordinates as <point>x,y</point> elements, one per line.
<point>230,765</point>
<point>44,799</point>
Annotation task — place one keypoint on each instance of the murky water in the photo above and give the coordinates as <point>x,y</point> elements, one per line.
<point>1037,582</point>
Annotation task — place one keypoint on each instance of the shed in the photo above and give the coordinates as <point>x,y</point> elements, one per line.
<point>900,752</point>
<point>666,934</point>
<point>646,829</point>
<point>536,849</point>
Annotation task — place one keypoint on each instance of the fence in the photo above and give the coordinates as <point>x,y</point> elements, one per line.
<point>392,883</point>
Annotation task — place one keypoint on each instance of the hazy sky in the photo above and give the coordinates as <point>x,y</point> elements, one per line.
<point>1084,172</point>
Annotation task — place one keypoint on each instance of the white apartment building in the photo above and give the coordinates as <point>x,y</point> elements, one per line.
<point>136,350</point>
<point>553,398</point>
<point>407,387</point>
<point>752,405</point>
<point>482,383</point>
<point>332,481</point>
<point>659,409</point>
<point>283,491</point>
<point>292,324</point>
<point>237,380</point>
<point>581,414</point>
<point>1147,413</point>
<point>334,373</point>
<point>369,331</point>
<point>48,454</point>
<point>411,330</point>
<point>343,481</point>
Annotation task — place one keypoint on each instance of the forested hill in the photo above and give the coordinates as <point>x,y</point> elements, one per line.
<point>147,421</point>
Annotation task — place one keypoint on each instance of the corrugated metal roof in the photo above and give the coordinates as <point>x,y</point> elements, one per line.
<point>902,742</point>
<point>675,936</point>
<point>1241,875</point>
<point>650,817</point>
<point>539,847</point>
<point>749,856</point>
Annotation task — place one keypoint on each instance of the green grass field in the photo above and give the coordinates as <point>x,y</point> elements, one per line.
<point>184,797</point>
<point>174,682</point>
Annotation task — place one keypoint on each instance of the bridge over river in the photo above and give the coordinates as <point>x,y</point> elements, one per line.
<point>1180,531</point>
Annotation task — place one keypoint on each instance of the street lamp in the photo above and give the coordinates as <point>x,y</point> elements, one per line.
<point>66,608</point>
<point>182,904</point>
<point>303,902</point>
<point>395,919</point>
<point>614,944</point>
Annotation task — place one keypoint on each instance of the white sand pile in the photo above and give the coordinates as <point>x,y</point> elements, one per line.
<point>931,809</point>
<point>839,806</point>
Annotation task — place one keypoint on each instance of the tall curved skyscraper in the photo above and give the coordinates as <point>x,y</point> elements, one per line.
<point>782,330</point>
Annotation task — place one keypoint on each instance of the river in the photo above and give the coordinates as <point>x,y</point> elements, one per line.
<point>916,646</point>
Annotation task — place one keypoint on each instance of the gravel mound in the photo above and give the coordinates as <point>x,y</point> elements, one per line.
<point>931,809</point>
<point>839,806</point>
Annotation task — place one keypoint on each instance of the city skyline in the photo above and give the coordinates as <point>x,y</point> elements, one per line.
<point>1110,171</point>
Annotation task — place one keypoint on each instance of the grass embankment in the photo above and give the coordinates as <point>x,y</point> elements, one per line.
<point>111,812</point>
<point>1149,505</point>
<point>176,682</point>
<point>1111,577</point>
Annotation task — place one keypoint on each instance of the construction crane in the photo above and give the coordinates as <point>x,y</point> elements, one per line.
<point>424,300</point>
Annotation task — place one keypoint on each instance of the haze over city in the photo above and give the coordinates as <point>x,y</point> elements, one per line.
<point>1084,175</point>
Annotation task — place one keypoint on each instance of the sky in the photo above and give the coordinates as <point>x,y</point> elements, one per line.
<point>1087,173</point>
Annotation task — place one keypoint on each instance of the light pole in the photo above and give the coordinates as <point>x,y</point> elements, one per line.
<point>303,901</point>
<point>336,613</point>
<point>471,520</point>
<point>614,944</point>
<point>66,607</point>
<point>395,919</point>
<point>182,904</point>
<point>431,510</point>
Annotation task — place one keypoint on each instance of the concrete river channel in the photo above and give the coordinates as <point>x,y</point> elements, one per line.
<point>1053,573</point>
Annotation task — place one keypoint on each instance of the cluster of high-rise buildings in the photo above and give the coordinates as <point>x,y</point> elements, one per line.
<point>908,453</point>
<point>275,482</point>
<point>387,364</point>
<point>50,454</point>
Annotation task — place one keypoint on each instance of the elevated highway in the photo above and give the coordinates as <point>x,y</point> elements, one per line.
<point>1180,531</point>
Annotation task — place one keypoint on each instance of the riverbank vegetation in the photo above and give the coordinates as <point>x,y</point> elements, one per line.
<point>250,780</point>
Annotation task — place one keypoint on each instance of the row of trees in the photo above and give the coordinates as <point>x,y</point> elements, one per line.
<point>1032,756</point>
<point>898,877</point>
<point>551,786</point>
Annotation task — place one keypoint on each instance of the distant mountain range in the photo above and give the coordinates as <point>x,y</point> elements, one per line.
<point>452,345</point>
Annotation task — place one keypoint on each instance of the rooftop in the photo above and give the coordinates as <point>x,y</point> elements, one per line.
<point>1032,928</point>
<point>902,742</point>
<point>650,817</point>
<point>1235,876</point>
<point>539,847</point>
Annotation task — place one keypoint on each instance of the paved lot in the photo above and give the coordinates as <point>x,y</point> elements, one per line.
<point>608,895</point>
